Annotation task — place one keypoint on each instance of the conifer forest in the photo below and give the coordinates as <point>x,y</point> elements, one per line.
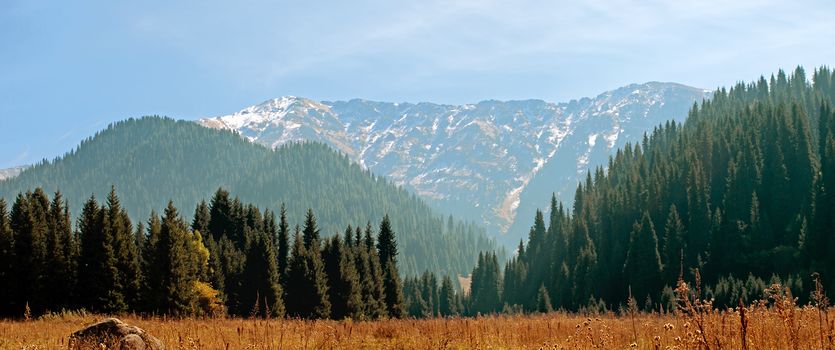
<point>417,175</point>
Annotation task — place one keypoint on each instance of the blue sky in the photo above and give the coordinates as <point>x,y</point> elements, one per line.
<point>68,68</point>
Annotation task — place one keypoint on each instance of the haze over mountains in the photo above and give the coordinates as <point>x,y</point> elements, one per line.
<point>491,162</point>
<point>153,160</point>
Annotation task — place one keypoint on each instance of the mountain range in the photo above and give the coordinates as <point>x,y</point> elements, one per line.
<point>491,162</point>
<point>153,160</point>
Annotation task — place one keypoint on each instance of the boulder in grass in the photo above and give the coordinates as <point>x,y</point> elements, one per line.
<point>113,334</point>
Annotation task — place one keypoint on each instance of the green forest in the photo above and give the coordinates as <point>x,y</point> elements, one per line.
<point>153,160</point>
<point>742,195</point>
<point>233,259</point>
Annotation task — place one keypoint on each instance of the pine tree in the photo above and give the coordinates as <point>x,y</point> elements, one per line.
<point>447,303</point>
<point>673,246</point>
<point>152,265</point>
<point>97,271</point>
<point>371,280</point>
<point>386,243</point>
<point>261,279</point>
<point>221,217</point>
<point>175,257</point>
<point>202,219</point>
<point>61,261</point>
<point>429,293</point>
<point>283,243</point>
<point>8,276</point>
<point>393,291</point>
<point>344,290</point>
<point>485,294</point>
<point>29,223</point>
<point>387,251</point>
<point>311,230</point>
<point>307,290</point>
<point>643,263</point>
<point>125,252</point>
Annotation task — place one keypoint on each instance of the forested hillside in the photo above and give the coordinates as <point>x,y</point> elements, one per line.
<point>742,192</point>
<point>153,160</point>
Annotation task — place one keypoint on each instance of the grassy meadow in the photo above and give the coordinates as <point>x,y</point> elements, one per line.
<point>765,328</point>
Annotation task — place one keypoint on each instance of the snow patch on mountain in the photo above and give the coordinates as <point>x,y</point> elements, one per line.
<point>477,161</point>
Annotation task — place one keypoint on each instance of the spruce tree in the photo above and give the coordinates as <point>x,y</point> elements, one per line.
<point>152,295</point>
<point>202,218</point>
<point>387,253</point>
<point>29,223</point>
<point>311,230</point>
<point>429,293</point>
<point>8,258</point>
<point>386,243</point>
<point>393,291</point>
<point>97,271</point>
<point>485,294</point>
<point>61,261</point>
<point>371,280</point>
<point>179,273</point>
<point>673,247</point>
<point>221,217</point>
<point>307,290</point>
<point>344,286</point>
<point>261,279</point>
<point>283,243</point>
<point>125,252</point>
<point>643,263</point>
<point>447,303</point>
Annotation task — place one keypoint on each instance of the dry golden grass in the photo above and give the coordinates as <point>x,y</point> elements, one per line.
<point>768,328</point>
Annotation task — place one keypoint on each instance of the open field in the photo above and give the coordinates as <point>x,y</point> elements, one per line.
<point>799,328</point>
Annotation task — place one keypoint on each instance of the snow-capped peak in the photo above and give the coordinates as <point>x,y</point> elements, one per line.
<point>490,161</point>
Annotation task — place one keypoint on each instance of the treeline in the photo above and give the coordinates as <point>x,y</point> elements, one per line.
<point>233,258</point>
<point>154,159</point>
<point>743,193</point>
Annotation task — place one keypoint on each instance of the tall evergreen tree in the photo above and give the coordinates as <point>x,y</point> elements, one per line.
<point>8,258</point>
<point>61,263</point>
<point>261,279</point>
<point>371,279</point>
<point>344,290</point>
<point>307,290</point>
<point>393,291</point>
<point>120,231</point>
<point>386,243</point>
<point>485,289</point>
<point>447,303</point>
<point>175,258</point>
<point>202,219</point>
<point>311,230</point>
<point>97,271</point>
<point>152,265</point>
<point>283,243</point>
<point>673,245</point>
<point>643,263</point>
<point>221,217</point>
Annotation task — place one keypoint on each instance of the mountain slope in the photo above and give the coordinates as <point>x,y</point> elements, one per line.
<point>479,161</point>
<point>9,173</point>
<point>739,197</point>
<point>152,160</point>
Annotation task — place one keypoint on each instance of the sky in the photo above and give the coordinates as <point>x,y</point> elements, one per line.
<point>69,68</point>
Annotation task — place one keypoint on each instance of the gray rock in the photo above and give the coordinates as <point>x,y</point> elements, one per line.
<point>113,334</point>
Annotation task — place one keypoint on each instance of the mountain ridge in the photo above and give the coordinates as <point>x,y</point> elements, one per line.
<point>474,160</point>
<point>152,160</point>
